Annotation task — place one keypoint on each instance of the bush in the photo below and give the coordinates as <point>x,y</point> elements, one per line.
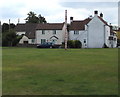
<point>78,44</point>
<point>118,42</point>
<point>74,44</point>
<point>70,44</point>
<point>9,38</point>
<point>105,46</point>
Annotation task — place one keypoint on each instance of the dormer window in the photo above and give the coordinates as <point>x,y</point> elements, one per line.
<point>43,31</point>
<point>76,32</point>
<point>54,31</point>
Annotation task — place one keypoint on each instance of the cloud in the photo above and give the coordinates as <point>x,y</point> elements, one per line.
<point>88,5</point>
<point>54,10</point>
<point>82,10</point>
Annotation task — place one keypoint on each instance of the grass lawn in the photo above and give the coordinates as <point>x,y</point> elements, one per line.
<point>32,71</point>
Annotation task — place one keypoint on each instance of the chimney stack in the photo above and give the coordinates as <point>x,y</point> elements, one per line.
<point>96,13</point>
<point>101,15</point>
<point>71,19</point>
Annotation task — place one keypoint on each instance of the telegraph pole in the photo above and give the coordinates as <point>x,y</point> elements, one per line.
<point>66,36</point>
<point>18,20</point>
<point>9,25</point>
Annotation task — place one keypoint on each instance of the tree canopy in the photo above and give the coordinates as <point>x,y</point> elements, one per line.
<point>32,18</point>
<point>5,27</point>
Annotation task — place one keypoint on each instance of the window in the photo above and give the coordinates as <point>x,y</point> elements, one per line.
<point>53,41</point>
<point>33,40</point>
<point>76,32</point>
<point>43,41</point>
<point>25,42</point>
<point>115,39</point>
<point>84,40</point>
<point>54,31</point>
<point>43,31</point>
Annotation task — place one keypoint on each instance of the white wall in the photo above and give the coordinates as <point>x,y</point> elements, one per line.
<point>107,34</point>
<point>25,38</point>
<point>81,36</point>
<point>48,34</point>
<point>20,33</point>
<point>96,33</point>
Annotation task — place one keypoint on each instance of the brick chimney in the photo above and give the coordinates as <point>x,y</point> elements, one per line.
<point>71,20</point>
<point>101,15</point>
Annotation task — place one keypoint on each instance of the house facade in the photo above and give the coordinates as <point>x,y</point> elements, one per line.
<point>50,32</point>
<point>28,32</point>
<point>41,33</point>
<point>93,32</point>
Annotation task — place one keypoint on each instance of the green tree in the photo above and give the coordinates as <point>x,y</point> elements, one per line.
<point>41,19</point>
<point>78,44</point>
<point>32,18</point>
<point>9,38</point>
<point>5,27</point>
<point>74,44</point>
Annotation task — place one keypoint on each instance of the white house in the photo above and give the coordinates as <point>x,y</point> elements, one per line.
<point>50,32</point>
<point>93,32</point>
<point>28,32</point>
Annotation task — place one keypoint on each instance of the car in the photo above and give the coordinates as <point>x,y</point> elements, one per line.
<point>45,45</point>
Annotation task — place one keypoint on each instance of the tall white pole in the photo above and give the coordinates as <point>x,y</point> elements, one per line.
<point>66,36</point>
<point>119,14</point>
<point>9,25</point>
<point>18,20</point>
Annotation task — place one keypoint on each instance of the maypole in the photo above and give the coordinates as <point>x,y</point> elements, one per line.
<point>66,36</point>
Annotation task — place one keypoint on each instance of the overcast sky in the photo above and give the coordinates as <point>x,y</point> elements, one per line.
<point>54,10</point>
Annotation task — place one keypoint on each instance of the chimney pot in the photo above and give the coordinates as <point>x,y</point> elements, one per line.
<point>71,19</point>
<point>95,12</point>
<point>101,15</point>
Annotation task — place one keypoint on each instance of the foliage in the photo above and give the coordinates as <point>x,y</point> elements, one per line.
<point>118,42</point>
<point>9,38</point>
<point>78,44</point>
<point>31,71</point>
<point>32,18</point>
<point>5,27</point>
<point>74,44</point>
<point>71,44</point>
<point>105,46</point>
<point>118,34</point>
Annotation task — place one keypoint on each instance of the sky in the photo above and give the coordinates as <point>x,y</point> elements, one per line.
<point>54,10</point>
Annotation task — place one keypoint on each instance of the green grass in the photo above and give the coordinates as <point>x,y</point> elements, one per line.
<point>32,71</point>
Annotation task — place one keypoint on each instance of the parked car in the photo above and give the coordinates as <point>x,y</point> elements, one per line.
<point>46,45</point>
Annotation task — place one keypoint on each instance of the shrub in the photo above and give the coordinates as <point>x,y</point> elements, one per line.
<point>105,46</point>
<point>78,44</point>
<point>70,44</point>
<point>74,44</point>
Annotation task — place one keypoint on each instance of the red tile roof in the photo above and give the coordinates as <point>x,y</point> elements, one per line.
<point>20,27</point>
<point>79,25</point>
<point>29,28</point>
<point>50,26</point>
<point>103,20</point>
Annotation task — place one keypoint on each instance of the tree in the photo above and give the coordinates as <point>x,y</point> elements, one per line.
<point>32,18</point>
<point>9,38</point>
<point>41,19</point>
<point>74,44</point>
<point>5,27</point>
<point>78,44</point>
